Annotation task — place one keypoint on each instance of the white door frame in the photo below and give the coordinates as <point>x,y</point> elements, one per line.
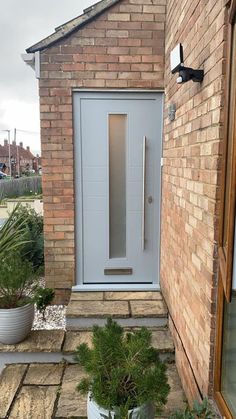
<point>80,286</point>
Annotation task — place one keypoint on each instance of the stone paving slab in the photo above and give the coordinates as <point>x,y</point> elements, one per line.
<point>135,295</point>
<point>98,309</point>
<point>71,403</point>
<point>54,342</point>
<point>148,309</point>
<point>161,339</point>
<point>75,338</point>
<point>176,399</point>
<point>10,381</point>
<point>87,296</point>
<point>38,341</point>
<point>44,374</point>
<point>28,400</point>
<point>34,402</point>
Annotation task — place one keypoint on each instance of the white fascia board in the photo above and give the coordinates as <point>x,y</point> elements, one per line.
<point>37,64</point>
<point>33,60</point>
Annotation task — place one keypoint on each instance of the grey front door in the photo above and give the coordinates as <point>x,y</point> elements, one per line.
<point>118,140</point>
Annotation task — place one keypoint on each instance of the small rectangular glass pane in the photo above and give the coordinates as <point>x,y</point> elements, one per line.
<point>117,185</point>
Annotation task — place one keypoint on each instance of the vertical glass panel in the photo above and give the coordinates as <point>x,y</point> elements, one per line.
<point>230,134</point>
<point>228,379</point>
<point>117,185</point>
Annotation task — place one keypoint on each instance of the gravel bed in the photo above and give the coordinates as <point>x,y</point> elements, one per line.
<point>55,316</point>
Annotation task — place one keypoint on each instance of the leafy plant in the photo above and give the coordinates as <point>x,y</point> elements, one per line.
<point>44,297</point>
<point>13,234</point>
<point>124,370</point>
<point>18,284</point>
<point>199,411</point>
<point>33,248</point>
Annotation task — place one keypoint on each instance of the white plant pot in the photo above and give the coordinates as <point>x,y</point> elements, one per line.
<point>16,323</point>
<point>94,411</point>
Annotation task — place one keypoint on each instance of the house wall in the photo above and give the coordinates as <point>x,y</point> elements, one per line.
<point>123,49</point>
<point>191,179</point>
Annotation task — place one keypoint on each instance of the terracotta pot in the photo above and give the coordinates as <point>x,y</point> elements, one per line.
<point>94,411</point>
<point>16,323</point>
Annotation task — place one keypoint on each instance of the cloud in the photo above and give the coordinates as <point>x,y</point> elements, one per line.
<point>23,23</point>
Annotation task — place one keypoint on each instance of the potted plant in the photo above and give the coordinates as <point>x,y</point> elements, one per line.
<point>18,294</point>
<point>126,378</point>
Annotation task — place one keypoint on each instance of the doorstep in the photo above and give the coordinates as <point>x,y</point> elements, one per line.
<point>130,309</point>
<point>49,390</point>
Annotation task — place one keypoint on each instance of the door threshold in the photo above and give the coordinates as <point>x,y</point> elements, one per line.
<point>116,287</point>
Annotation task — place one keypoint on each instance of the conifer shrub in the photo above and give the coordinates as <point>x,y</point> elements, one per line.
<point>19,284</point>
<point>124,370</point>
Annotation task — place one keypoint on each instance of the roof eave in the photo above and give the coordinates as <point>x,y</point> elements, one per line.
<point>84,19</point>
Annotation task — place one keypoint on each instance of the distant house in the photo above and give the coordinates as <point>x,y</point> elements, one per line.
<point>22,160</point>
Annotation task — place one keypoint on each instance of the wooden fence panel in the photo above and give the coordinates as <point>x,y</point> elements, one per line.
<point>19,187</point>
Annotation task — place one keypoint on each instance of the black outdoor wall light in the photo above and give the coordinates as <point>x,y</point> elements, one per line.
<point>185,73</point>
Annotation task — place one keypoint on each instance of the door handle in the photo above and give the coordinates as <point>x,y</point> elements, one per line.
<point>143,192</point>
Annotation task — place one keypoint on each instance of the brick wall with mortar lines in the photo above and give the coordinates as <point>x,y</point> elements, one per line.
<point>124,49</point>
<point>191,177</point>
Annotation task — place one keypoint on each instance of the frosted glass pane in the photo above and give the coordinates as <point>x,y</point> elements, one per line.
<point>117,185</point>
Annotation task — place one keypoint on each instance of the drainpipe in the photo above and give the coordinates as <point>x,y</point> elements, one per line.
<point>33,60</point>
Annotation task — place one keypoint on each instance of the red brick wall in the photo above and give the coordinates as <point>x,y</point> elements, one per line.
<point>122,48</point>
<point>191,177</point>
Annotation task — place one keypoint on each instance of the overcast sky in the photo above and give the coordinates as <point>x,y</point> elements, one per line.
<point>22,24</point>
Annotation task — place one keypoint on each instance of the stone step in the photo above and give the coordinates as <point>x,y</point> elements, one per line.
<point>161,340</point>
<point>40,346</point>
<point>44,346</point>
<point>130,309</point>
<point>50,390</point>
